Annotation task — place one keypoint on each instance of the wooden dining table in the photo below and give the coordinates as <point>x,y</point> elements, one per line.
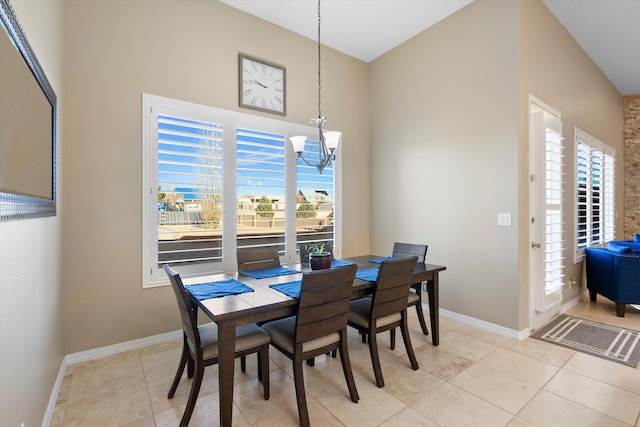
<point>265,303</point>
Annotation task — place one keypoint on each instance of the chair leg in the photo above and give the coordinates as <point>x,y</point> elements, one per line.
<point>259,361</point>
<point>404,328</point>
<point>392,338</point>
<point>375,359</point>
<point>263,369</point>
<point>243,363</point>
<point>190,367</point>
<point>423,324</point>
<point>620,308</point>
<point>184,357</point>
<point>193,394</point>
<point>301,397</point>
<point>346,367</point>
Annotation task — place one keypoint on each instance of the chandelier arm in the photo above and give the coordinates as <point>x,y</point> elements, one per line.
<point>324,162</point>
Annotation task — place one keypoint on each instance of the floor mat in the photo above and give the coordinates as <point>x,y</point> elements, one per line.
<point>598,339</point>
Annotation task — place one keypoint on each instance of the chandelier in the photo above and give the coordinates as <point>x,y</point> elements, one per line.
<point>328,140</point>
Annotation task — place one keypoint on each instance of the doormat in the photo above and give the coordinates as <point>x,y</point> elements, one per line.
<point>594,338</point>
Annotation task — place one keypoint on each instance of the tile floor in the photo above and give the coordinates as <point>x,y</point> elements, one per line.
<point>474,378</point>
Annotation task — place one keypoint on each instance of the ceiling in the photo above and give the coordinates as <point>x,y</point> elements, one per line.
<point>608,30</point>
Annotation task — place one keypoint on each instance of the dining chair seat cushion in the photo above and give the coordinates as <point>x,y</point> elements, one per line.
<point>413,298</point>
<point>247,336</point>
<point>282,331</point>
<point>360,309</point>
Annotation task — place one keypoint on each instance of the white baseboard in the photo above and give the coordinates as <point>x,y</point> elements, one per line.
<point>481,324</point>
<point>110,350</point>
<point>96,353</point>
<point>565,307</point>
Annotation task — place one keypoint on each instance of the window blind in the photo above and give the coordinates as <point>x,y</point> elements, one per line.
<point>553,269</point>
<point>595,192</point>
<point>189,176</point>
<point>315,200</point>
<point>261,188</point>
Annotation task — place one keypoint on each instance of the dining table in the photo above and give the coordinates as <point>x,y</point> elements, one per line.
<point>264,302</point>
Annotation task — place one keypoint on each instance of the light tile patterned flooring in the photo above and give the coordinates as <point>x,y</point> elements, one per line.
<point>474,378</point>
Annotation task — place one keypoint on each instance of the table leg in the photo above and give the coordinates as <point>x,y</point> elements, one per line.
<point>226,351</point>
<point>434,307</point>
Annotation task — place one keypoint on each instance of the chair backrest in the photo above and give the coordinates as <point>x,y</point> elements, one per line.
<point>304,252</point>
<point>257,258</point>
<point>392,287</point>
<point>410,249</point>
<point>188,309</point>
<point>324,302</point>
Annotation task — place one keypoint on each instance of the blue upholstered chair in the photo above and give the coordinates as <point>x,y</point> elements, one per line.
<point>614,273</point>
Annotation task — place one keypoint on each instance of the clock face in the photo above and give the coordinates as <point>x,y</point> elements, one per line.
<point>262,85</point>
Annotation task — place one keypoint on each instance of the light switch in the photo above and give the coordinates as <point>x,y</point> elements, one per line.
<point>504,219</point>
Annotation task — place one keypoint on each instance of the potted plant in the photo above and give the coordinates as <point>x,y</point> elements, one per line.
<point>319,259</point>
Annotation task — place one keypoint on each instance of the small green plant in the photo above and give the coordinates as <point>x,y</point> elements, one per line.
<point>315,249</point>
<point>306,210</point>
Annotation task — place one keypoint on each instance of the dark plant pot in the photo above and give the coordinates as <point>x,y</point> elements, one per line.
<point>320,261</point>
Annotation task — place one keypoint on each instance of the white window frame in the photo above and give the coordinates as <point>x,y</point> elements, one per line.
<point>153,276</point>
<point>607,194</point>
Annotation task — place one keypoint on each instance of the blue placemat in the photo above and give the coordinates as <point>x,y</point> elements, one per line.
<point>339,263</point>
<point>217,289</point>
<point>379,260</point>
<point>290,289</point>
<point>270,272</point>
<point>368,274</point>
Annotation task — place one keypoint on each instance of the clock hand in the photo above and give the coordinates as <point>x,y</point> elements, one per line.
<point>257,82</point>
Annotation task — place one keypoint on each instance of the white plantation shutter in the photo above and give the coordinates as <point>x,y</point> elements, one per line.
<point>261,188</point>
<point>595,192</point>
<point>553,247</point>
<point>215,180</point>
<point>189,190</point>
<point>316,190</point>
<point>583,184</point>
<point>609,208</point>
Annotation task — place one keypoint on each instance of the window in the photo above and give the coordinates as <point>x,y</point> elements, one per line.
<point>216,180</point>
<point>595,192</point>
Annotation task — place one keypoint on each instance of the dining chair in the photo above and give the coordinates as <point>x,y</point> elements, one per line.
<point>415,290</point>
<point>319,327</point>
<point>257,258</point>
<point>200,346</point>
<point>386,310</point>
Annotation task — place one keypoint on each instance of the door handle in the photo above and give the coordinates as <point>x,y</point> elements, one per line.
<point>535,245</point>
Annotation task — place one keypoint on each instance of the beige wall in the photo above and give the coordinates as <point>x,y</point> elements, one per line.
<point>115,51</point>
<point>557,71</point>
<point>444,149</point>
<point>31,349</point>
<point>450,129</point>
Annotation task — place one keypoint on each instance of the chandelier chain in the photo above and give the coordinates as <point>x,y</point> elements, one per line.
<point>326,153</point>
<point>319,69</point>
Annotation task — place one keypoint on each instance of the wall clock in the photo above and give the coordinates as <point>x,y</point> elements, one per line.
<point>262,85</point>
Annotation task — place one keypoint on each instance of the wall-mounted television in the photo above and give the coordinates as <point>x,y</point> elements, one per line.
<point>27,127</point>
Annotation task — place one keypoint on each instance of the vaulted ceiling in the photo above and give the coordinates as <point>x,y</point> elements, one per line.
<point>608,30</point>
